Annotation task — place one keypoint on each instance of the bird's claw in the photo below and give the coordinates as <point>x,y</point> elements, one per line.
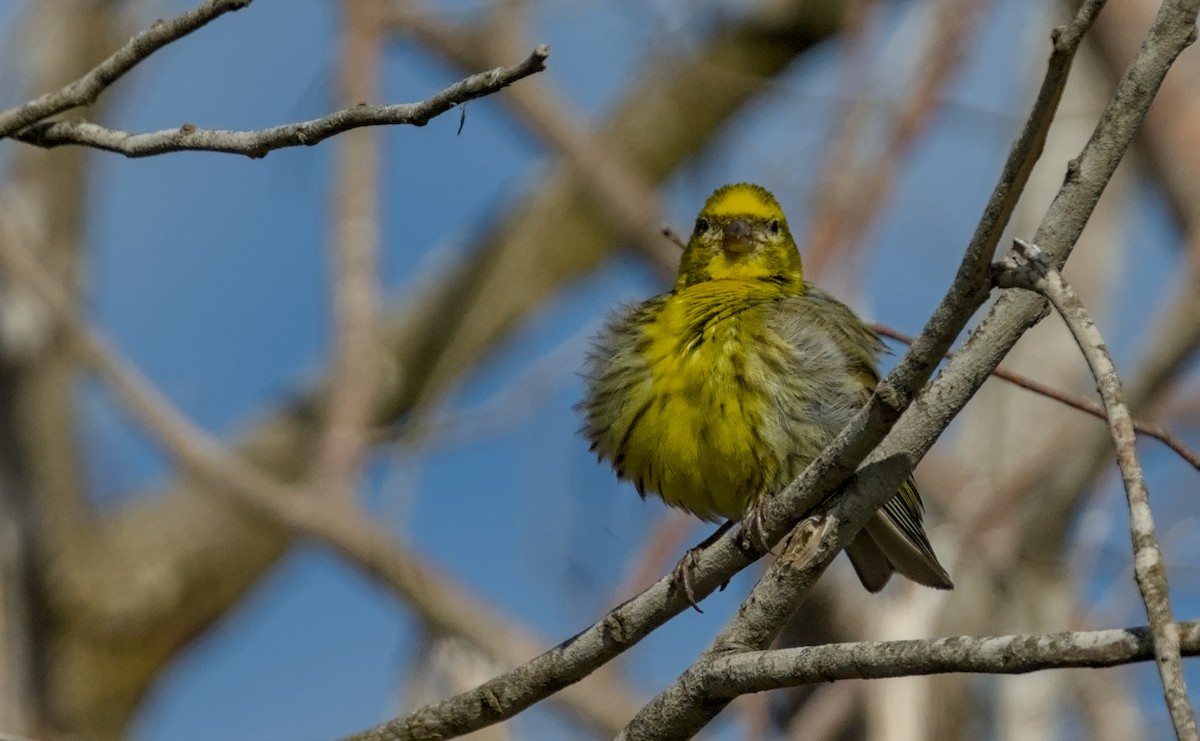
<point>681,576</point>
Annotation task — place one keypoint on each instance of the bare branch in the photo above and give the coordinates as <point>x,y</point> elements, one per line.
<point>260,142</point>
<point>1027,268</point>
<point>85,90</point>
<point>728,676</point>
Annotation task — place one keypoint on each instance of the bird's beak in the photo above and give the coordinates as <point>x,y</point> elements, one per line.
<point>737,237</point>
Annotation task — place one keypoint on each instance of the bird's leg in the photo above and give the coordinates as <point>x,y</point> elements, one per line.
<point>682,573</point>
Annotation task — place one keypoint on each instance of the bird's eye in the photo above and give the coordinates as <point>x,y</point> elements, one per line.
<point>701,224</point>
<point>773,226</point>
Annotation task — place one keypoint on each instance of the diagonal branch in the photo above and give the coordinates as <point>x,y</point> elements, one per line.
<point>260,142</point>
<point>1027,268</point>
<point>86,89</point>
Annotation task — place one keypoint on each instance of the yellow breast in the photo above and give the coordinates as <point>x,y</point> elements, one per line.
<point>698,442</point>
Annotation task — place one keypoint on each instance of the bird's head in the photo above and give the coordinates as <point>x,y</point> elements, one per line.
<point>741,234</point>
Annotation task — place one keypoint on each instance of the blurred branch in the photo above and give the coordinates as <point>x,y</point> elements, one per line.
<point>1149,429</point>
<point>435,595</point>
<point>258,143</point>
<point>86,89</point>
<point>355,243</point>
<point>829,714</point>
<point>55,683</point>
<point>730,675</point>
<point>1045,521</point>
<point>1028,269</point>
<point>852,187</point>
<point>1169,134</point>
<point>512,403</point>
<point>1108,706</point>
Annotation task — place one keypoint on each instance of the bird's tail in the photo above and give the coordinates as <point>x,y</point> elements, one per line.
<point>894,540</point>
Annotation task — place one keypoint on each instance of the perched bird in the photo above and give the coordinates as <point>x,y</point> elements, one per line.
<point>721,391</point>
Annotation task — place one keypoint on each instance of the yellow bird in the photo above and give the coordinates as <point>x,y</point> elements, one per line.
<point>721,391</point>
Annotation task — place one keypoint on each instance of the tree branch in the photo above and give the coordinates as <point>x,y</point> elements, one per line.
<point>1027,268</point>
<point>728,676</point>
<point>260,142</point>
<point>86,89</point>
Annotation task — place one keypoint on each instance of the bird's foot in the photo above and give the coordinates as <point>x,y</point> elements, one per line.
<point>681,575</point>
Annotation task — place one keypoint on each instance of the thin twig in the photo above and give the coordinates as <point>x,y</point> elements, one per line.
<point>1149,429</point>
<point>503,410</point>
<point>673,236</point>
<point>86,89</point>
<point>731,675</point>
<point>1027,268</point>
<point>260,142</point>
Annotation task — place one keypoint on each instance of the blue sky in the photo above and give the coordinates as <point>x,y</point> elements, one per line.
<point>208,272</point>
